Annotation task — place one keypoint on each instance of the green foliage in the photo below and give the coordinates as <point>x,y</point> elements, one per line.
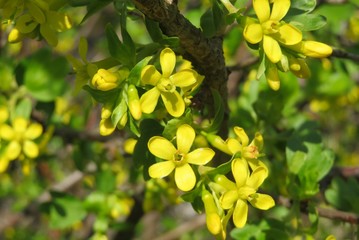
<point>94,163</point>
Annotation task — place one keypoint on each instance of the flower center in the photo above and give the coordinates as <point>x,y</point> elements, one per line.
<point>270,26</point>
<point>166,85</point>
<point>250,152</point>
<point>178,158</point>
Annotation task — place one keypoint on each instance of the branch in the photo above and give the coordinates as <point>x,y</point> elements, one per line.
<point>206,54</point>
<point>329,213</point>
<point>343,54</point>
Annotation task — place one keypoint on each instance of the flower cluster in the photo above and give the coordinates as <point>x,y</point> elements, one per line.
<point>230,198</point>
<point>35,18</point>
<point>17,139</point>
<point>281,42</point>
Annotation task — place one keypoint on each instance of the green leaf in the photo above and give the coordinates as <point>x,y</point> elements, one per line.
<point>307,22</point>
<point>122,52</point>
<point>93,6</point>
<point>135,75</point>
<point>344,195</point>
<point>307,159</point>
<point>23,108</point>
<point>141,154</point>
<point>153,30</point>
<point>119,111</point>
<point>103,96</point>
<point>218,112</point>
<point>105,181</point>
<point>222,169</point>
<point>64,210</point>
<point>172,125</point>
<point>305,5</point>
<point>7,76</point>
<point>213,20</point>
<point>44,75</point>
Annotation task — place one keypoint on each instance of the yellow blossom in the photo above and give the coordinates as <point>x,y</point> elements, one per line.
<point>247,185</point>
<point>178,159</point>
<point>20,137</point>
<point>271,31</point>
<point>166,84</point>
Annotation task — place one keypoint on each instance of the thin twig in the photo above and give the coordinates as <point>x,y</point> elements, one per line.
<point>188,226</point>
<point>346,55</point>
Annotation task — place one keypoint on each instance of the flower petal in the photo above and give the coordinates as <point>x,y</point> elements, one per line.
<point>6,132</point>
<point>233,145</point>
<point>19,124</point>
<point>33,131</point>
<point>257,177</point>
<point>242,135</point>
<point>185,137</point>
<point>31,150</point>
<point>4,114</point>
<point>262,201</point>
<point>150,75</point>
<point>229,198</point>
<point>184,78</point>
<point>262,9</point>
<point>13,150</point>
<point>161,147</point>
<point>161,169</point>
<point>149,100</point>
<point>240,171</point>
<point>4,162</point>
<point>240,213</point>
<point>253,33</point>
<point>272,49</point>
<point>184,177</point>
<point>200,156</point>
<point>279,9</point>
<point>288,35</point>
<point>173,103</point>
<point>167,61</point>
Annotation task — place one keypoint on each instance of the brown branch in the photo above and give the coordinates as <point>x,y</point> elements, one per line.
<point>346,55</point>
<point>329,213</point>
<point>193,224</point>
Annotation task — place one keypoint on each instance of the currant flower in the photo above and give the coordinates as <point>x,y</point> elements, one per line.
<point>178,159</point>
<point>166,84</point>
<point>271,30</point>
<point>245,191</point>
<point>21,136</point>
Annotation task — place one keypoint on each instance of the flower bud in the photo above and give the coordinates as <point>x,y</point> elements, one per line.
<point>104,80</point>
<point>312,49</point>
<point>217,142</point>
<point>213,220</point>
<point>15,36</point>
<point>134,102</point>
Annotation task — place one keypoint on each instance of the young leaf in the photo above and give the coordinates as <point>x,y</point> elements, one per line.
<point>102,96</point>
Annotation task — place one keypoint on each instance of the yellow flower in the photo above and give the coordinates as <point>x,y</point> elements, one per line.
<point>20,137</point>
<point>270,30</point>
<point>166,85</point>
<point>245,191</point>
<point>178,159</point>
